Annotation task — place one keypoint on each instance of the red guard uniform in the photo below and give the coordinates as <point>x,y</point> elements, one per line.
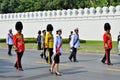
<point>18,41</point>
<point>107,40</point>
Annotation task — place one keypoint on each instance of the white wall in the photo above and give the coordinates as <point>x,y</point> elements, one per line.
<point>90,22</point>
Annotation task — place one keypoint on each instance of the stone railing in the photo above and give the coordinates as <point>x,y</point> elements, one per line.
<point>87,12</point>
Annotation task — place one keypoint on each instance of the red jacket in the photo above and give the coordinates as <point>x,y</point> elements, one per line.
<point>107,40</point>
<point>18,41</point>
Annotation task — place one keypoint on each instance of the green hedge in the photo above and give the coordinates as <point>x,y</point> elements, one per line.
<point>66,40</point>
<point>2,40</point>
<point>33,40</point>
<point>30,40</point>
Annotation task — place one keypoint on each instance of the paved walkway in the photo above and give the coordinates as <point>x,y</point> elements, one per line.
<point>89,67</point>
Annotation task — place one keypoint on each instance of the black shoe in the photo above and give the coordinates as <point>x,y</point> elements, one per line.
<point>58,74</point>
<point>47,60</point>
<point>10,54</point>
<point>69,59</point>
<point>41,55</point>
<point>102,61</point>
<point>75,61</point>
<point>16,67</point>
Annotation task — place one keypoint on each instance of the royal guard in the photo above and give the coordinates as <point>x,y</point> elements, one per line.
<point>107,39</point>
<point>19,45</point>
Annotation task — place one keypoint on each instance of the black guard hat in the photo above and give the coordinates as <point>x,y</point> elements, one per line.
<point>19,25</point>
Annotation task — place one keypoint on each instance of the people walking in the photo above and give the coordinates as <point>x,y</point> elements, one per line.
<point>118,41</point>
<point>43,54</point>
<point>19,45</point>
<point>71,33</point>
<point>9,41</point>
<point>107,39</point>
<point>57,52</point>
<point>39,40</point>
<point>74,44</point>
<point>49,43</point>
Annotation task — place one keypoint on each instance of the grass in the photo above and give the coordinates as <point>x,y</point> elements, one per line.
<point>96,46</point>
<point>88,46</point>
<point>92,46</point>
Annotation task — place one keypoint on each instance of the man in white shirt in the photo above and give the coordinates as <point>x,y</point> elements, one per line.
<point>74,44</point>
<point>9,42</point>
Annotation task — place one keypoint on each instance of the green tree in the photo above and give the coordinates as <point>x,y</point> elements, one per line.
<point>12,6</point>
<point>4,7</point>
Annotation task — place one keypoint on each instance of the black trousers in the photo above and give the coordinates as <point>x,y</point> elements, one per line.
<point>107,56</point>
<point>50,53</point>
<point>39,46</point>
<point>73,54</point>
<point>9,49</point>
<point>44,53</point>
<point>18,60</point>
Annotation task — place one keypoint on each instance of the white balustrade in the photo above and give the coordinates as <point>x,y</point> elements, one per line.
<point>92,11</point>
<point>86,11</point>
<point>99,11</point>
<point>112,10</point>
<point>80,12</point>
<point>107,11</point>
<point>117,10</point>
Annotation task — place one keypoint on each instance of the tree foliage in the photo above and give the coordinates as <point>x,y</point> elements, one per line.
<point>15,6</point>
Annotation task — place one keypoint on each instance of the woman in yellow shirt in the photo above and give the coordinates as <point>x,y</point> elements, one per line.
<point>49,43</point>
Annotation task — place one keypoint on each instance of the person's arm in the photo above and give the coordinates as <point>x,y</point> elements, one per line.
<point>46,40</point>
<point>105,41</point>
<point>15,42</point>
<point>55,45</point>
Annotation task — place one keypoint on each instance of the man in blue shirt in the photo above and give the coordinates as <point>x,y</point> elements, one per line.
<point>74,44</point>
